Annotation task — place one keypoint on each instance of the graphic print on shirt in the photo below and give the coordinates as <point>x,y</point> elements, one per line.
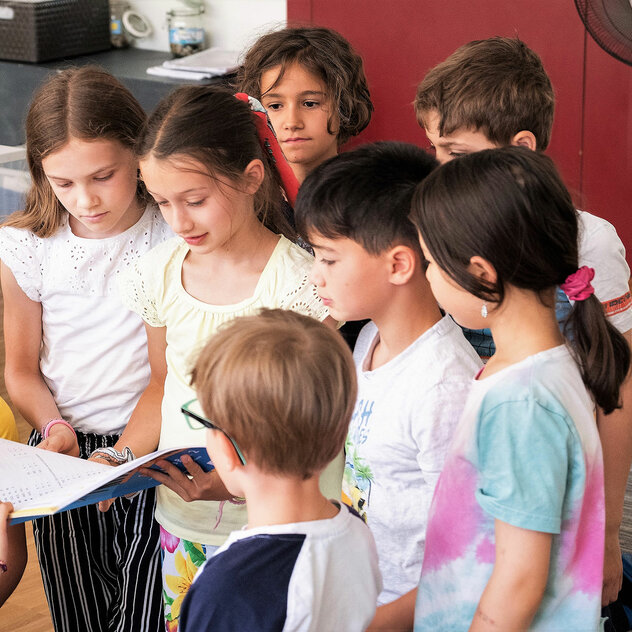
<point>358,476</point>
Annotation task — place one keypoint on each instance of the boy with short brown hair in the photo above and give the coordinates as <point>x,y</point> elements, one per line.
<point>280,388</point>
<point>495,87</point>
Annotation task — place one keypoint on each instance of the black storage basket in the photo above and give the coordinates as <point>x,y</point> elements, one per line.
<point>40,30</point>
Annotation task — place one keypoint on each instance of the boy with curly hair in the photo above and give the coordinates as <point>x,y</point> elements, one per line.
<point>312,83</point>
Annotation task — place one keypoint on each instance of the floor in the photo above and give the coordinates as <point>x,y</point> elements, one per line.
<point>26,610</point>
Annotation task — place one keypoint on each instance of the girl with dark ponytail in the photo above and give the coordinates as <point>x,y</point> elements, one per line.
<point>516,529</point>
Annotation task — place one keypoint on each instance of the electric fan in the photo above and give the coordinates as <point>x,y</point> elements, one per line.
<point>609,22</point>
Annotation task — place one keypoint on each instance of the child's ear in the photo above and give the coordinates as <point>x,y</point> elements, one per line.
<point>483,269</point>
<point>222,451</point>
<point>254,173</point>
<point>525,138</point>
<point>402,262</point>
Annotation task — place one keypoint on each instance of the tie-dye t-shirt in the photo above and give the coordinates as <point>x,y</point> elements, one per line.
<point>525,452</point>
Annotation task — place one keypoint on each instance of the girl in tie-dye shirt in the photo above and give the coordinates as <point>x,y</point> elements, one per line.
<point>515,536</point>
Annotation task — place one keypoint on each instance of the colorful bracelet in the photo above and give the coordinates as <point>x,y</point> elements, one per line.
<point>114,456</point>
<point>53,422</point>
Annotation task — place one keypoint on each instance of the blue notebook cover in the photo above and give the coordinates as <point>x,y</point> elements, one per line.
<point>128,482</point>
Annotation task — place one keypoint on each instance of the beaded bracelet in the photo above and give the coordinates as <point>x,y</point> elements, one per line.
<point>54,422</point>
<point>114,456</point>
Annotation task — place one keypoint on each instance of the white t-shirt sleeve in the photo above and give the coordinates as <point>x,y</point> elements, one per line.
<point>601,248</point>
<point>21,251</point>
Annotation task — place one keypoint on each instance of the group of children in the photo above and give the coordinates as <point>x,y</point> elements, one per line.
<point>159,282</point>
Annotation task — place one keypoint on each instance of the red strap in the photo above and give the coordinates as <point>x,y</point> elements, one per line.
<point>270,144</point>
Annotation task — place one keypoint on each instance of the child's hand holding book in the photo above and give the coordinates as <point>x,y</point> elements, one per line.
<point>192,483</point>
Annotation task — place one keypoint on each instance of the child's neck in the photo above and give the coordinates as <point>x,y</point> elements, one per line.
<point>301,172</point>
<point>303,169</point>
<point>409,312</point>
<point>273,499</point>
<point>246,240</point>
<point>522,327</point>
<point>229,274</point>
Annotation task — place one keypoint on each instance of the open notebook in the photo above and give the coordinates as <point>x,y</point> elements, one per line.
<point>40,483</point>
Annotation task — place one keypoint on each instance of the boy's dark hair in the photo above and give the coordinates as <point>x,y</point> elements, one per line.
<point>326,54</point>
<point>365,195</point>
<point>497,86</point>
<point>283,386</point>
<point>510,207</point>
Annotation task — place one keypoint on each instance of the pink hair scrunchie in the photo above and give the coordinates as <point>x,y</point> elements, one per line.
<point>577,285</point>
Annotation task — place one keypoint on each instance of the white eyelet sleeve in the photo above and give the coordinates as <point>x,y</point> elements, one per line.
<point>301,296</point>
<point>140,285</point>
<point>22,252</point>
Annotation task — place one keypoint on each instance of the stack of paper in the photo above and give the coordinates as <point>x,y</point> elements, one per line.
<point>208,63</point>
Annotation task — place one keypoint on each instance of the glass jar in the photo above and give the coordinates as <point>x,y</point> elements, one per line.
<point>186,33</point>
<point>118,36</point>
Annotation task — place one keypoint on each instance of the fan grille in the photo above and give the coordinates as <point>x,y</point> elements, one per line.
<point>609,22</point>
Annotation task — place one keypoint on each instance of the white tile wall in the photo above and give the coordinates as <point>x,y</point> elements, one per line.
<point>232,24</point>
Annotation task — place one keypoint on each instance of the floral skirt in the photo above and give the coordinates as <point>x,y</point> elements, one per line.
<point>181,560</point>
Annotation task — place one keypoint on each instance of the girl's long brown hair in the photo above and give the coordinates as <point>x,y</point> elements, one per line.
<point>85,103</point>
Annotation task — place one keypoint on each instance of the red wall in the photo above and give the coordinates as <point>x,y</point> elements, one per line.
<point>401,39</point>
<point>607,140</point>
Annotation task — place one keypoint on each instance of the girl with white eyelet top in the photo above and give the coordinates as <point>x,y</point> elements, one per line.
<point>76,358</point>
<point>201,160</point>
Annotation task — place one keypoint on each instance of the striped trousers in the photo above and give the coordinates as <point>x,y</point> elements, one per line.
<point>101,571</point>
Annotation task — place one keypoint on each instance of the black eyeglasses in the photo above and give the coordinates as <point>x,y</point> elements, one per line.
<point>197,422</point>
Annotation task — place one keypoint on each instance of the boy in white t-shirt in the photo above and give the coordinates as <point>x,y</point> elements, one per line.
<point>414,365</point>
<point>280,388</point>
